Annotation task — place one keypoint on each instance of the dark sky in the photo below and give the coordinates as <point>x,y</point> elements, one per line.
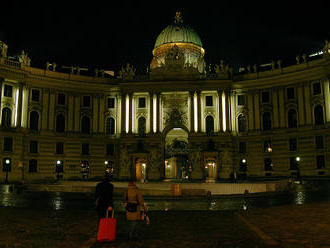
<point>94,34</point>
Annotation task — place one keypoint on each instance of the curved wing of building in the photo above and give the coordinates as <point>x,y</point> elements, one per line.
<point>177,123</point>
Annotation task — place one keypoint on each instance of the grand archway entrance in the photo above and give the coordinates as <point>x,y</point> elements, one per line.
<point>176,154</point>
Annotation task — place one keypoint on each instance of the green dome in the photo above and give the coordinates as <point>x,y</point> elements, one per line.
<point>178,33</point>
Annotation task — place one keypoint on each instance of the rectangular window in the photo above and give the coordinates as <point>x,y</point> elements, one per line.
<point>35,95</point>
<point>316,88</point>
<point>292,144</point>
<point>319,142</point>
<point>8,144</point>
<point>142,102</point>
<point>242,147</point>
<point>59,148</point>
<point>33,146</point>
<point>110,149</point>
<point>293,163</point>
<point>320,162</point>
<point>86,101</point>
<point>241,100</point>
<point>265,97</point>
<point>111,102</point>
<point>85,149</point>
<point>290,93</point>
<point>33,165</point>
<point>209,101</point>
<point>268,165</point>
<point>8,91</point>
<point>61,99</point>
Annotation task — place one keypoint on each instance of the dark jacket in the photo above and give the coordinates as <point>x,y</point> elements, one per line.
<point>103,195</point>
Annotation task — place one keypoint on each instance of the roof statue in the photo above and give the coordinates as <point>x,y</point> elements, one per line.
<point>24,58</point>
<point>4,49</point>
<point>127,73</point>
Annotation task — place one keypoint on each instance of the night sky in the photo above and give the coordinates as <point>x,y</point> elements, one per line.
<point>93,34</point>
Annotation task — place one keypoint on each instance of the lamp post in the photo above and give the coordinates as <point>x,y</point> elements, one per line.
<point>298,168</point>
<point>7,168</point>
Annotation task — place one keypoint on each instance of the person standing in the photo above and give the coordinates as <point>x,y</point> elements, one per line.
<point>103,195</point>
<point>133,202</point>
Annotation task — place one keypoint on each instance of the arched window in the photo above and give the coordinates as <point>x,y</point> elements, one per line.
<point>266,121</point>
<point>6,117</point>
<point>110,127</point>
<point>292,118</point>
<point>318,115</point>
<point>60,123</point>
<point>142,126</point>
<point>85,124</point>
<point>34,120</point>
<point>241,123</point>
<point>209,121</point>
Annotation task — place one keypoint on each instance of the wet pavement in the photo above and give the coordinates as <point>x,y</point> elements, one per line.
<point>301,194</point>
<point>57,219</point>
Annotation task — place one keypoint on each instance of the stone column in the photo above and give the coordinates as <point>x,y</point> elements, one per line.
<point>327,99</point>
<point>101,114</point>
<point>51,116</point>
<point>256,111</point>
<point>199,112</point>
<point>308,108</point>
<point>301,110</point>
<point>118,113</point>
<point>281,108</point>
<point>220,111</point>
<point>151,115</point>
<point>275,108</point>
<point>95,113</point>
<point>251,110</point>
<point>19,105</point>
<point>123,112</point>
<point>76,113</point>
<point>1,80</point>
<point>191,97</point>
<point>158,113</point>
<point>130,111</point>
<point>70,124</point>
<point>25,103</point>
<point>228,114</point>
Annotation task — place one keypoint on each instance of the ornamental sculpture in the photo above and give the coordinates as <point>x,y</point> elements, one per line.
<point>4,49</point>
<point>127,73</point>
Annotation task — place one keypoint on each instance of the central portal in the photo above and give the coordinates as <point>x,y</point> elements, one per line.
<point>176,154</point>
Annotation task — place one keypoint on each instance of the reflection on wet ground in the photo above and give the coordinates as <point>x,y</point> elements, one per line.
<point>10,197</point>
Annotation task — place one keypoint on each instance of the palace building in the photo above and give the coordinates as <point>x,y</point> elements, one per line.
<point>182,120</point>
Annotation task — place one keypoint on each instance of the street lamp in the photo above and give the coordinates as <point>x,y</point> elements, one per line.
<point>298,168</point>
<point>7,168</point>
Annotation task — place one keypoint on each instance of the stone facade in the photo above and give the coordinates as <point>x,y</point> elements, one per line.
<point>271,122</point>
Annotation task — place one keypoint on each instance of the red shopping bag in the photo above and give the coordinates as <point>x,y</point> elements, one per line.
<point>107,229</point>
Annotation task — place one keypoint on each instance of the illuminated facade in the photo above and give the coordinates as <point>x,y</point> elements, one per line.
<point>177,122</point>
